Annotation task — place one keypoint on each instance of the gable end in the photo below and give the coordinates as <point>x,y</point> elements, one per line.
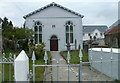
<point>49,5</point>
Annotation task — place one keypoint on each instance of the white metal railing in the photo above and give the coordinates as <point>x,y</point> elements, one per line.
<point>58,65</point>
<point>106,61</point>
<point>10,61</point>
<point>96,59</point>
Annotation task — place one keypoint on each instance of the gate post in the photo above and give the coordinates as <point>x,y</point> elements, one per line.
<point>21,67</point>
<point>33,59</point>
<point>80,68</point>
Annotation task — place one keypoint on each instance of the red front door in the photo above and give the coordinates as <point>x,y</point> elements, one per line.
<point>53,45</point>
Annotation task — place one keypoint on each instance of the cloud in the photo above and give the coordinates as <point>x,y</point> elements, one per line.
<point>60,0</point>
<point>94,12</point>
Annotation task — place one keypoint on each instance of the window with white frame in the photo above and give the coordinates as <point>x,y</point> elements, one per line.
<point>96,34</point>
<point>69,32</point>
<point>38,32</point>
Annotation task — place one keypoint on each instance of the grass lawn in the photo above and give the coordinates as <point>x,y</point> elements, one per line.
<point>75,56</point>
<point>39,70</point>
<point>0,70</point>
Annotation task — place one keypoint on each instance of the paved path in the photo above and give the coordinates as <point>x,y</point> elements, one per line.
<point>61,73</point>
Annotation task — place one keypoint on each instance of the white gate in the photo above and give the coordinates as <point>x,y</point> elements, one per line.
<point>21,66</point>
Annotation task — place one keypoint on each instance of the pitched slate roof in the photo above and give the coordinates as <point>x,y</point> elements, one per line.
<point>49,5</point>
<point>91,28</point>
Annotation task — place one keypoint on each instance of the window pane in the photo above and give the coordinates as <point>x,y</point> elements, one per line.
<point>35,28</point>
<point>36,36</point>
<point>40,28</point>
<point>67,37</point>
<point>67,29</point>
<point>40,38</point>
<point>71,28</point>
<point>71,37</point>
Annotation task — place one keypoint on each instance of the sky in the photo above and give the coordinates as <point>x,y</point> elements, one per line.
<point>96,12</point>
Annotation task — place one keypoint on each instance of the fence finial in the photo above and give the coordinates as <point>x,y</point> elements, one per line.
<point>68,57</point>
<point>33,56</point>
<point>101,53</point>
<point>10,55</point>
<point>101,49</point>
<point>80,53</point>
<point>3,55</point>
<point>111,53</point>
<point>45,57</point>
<point>14,56</point>
<point>4,59</point>
<point>111,50</point>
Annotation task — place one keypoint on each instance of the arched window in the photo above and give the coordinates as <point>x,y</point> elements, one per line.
<point>69,32</point>
<point>38,32</point>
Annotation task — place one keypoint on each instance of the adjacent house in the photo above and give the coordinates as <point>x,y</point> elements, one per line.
<point>93,32</point>
<point>112,36</point>
<point>56,26</point>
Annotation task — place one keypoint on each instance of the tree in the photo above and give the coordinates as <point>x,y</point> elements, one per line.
<point>5,23</point>
<point>22,33</point>
<point>8,32</point>
<point>15,34</point>
<point>10,23</point>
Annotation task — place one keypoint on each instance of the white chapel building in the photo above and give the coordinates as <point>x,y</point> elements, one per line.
<point>56,26</point>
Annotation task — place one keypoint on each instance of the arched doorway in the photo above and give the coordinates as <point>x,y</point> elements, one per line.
<point>54,43</point>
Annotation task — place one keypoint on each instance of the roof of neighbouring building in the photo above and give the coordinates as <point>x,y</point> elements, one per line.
<point>91,28</point>
<point>52,4</point>
<point>113,30</point>
<point>115,24</point>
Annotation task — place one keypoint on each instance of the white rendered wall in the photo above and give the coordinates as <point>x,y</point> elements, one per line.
<point>58,18</point>
<point>98,34</point>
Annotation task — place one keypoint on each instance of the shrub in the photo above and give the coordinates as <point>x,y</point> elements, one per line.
<point>39,50</point>
<point>23,44</point>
